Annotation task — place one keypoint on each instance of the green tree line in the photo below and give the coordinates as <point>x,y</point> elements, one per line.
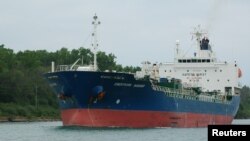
<point>25,93</point>
<point>244,109</point>
<point>23,90</point>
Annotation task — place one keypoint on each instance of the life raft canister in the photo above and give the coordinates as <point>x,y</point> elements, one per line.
<point>239,73</point>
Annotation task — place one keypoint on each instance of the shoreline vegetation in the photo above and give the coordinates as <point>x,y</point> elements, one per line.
<point>25,95</point>
<point>26,119</point>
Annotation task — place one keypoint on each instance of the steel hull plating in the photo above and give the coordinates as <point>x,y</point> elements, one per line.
<point>100,99</point>
<point>139,119</point>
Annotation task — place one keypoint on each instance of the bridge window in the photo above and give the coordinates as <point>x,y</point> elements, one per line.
<point>194,60</point>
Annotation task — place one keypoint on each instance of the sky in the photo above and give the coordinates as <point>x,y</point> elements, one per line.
<point>133,30</point>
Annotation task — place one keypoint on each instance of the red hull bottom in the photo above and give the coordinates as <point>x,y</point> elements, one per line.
<point>139,119</point>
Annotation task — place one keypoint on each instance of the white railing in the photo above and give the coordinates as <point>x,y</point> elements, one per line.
<point>66,67</point>
<point>190,94</point>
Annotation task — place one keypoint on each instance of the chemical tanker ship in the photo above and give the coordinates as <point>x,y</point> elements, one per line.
<point>188,92</point>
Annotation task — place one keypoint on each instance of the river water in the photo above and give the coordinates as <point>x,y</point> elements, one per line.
<point>54,131</point>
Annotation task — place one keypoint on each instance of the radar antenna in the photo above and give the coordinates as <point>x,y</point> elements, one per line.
<point>198,34</point>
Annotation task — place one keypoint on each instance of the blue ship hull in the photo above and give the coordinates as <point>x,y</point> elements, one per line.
<point>98,95</point>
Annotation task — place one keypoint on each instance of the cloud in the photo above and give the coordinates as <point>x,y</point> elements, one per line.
<point>133,30</point>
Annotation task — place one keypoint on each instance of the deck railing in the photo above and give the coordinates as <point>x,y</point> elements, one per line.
<point>192,95</point>
<point>66,67</point>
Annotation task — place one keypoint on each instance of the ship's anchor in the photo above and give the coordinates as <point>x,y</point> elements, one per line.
<point>97,94</point>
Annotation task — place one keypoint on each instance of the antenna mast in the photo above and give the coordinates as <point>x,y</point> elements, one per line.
<point>198,33</point>
<point>95,22</point>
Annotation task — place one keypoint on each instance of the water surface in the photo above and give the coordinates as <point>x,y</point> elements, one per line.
<point>54,131</point>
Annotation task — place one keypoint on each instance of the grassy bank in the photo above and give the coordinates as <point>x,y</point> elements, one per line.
<point>15,112</point>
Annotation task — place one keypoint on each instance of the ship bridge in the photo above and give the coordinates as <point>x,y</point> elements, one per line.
<point>202,70</point>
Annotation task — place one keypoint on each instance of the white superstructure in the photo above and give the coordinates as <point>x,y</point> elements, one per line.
<point>199,71</point>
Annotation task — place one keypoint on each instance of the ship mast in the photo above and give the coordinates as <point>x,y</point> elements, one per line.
<point>95,22</point>
<point>198,34</point>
